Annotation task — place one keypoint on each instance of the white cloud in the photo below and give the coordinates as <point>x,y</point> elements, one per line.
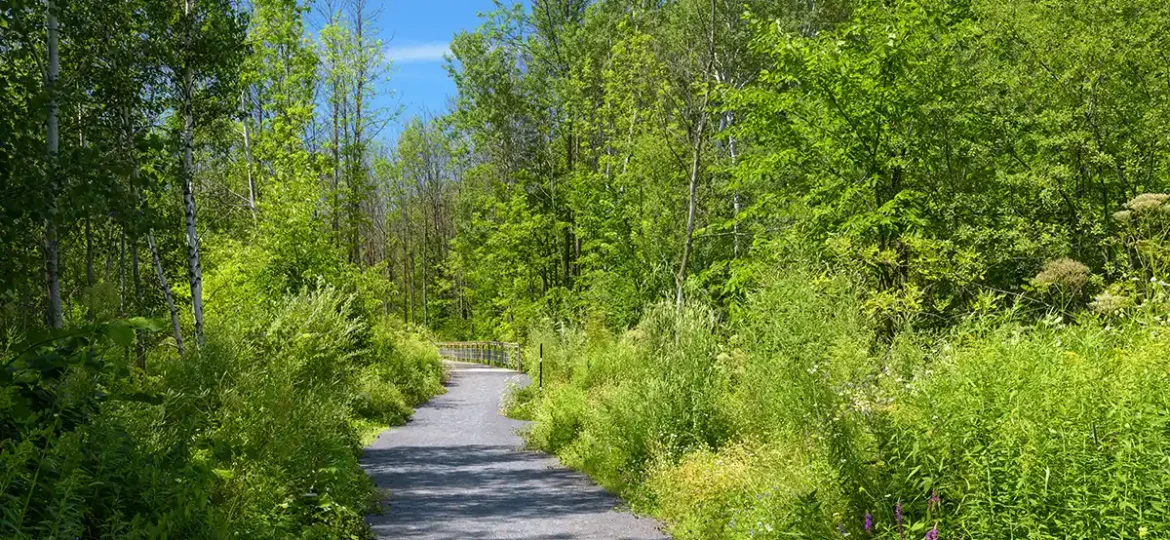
<point>423,52</point>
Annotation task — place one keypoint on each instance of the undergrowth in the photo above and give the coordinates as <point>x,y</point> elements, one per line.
<point>255,435</point>
<point>798,419</point>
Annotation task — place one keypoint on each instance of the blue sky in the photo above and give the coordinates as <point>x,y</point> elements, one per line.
<point>416,35</point>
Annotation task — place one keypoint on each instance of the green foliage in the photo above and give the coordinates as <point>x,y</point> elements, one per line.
<point>611,406</point>
<point>803,421</point>
<point>254,434</point>
<point>878,215</point>
<point>1048,432</point>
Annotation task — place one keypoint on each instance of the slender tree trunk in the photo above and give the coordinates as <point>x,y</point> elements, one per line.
<point>122,275</point>
<point>629,143</point>
<point>358,175</point>
<point>139,350</point>
<point>135,195</point>
<point>336,196</point>
<point>348,193</point>
<point>166,290</point>
<point>136,273</point>
<point>26,309</point>
<point>195,271</point>
<point>52,140</point>
<point>248,168</point>
<point>566,254</point>
<point>426,312</point>
<point>88,252</point>
<point>407,264</point>
<point>696,162</point>
<point>735,199</point>
<point>413,311</point>
<point>692,204</point>
<point>109,258</point>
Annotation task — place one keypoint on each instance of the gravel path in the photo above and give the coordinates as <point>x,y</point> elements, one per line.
<point>458,470</point>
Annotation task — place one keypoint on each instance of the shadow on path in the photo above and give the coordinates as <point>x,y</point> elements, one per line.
<point>458,471</point>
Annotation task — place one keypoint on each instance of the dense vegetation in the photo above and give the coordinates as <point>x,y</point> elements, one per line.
<point>867,268</point>
<point>174,373</point>
<point>889,268</point>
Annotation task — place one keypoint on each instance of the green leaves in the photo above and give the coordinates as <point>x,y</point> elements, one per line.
<point>122,333</point>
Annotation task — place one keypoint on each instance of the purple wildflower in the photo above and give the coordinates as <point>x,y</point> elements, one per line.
<point>868,522</point>
<point>934,499</point>
<point>898,518</point>
<point>932,534</point>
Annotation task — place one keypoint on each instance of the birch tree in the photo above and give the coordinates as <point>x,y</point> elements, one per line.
<point>203,73</point>
<point>52,146</point>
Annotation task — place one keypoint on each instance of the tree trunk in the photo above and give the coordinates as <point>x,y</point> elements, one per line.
<point>735,199</point>
<point>248,168</point>
<point>407,265</point>
<point>696,162</point>
<point>692,204</point>
<point>336,195</point>
<point>88,252</point>
<point>137,275</point>
<point>122,275</point>
<point>52,134</point>
<point>194,269</point>
<point>136,196</point>
<point>88,263</point>
<point>166,290</point>
<point>358,174</point>
<point>566,254</point>
<point>139,350</point>
<point>413,310</point>
<point>426,313</point>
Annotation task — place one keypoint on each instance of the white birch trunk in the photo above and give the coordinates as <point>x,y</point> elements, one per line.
<point>194,270</point>
<point>52,141</point>
<point>166,290</point>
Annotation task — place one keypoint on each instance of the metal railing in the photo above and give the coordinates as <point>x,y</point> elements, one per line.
<point>492,353</point>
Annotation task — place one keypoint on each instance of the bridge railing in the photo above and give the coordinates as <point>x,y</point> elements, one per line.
<point>493,353</point>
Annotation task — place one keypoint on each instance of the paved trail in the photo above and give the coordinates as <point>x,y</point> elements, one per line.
<point>457,471</point>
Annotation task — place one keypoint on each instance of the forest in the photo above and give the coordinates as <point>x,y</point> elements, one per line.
<point>798,268</point>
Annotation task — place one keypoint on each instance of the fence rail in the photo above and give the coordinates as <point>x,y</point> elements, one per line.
<point>493,353</point>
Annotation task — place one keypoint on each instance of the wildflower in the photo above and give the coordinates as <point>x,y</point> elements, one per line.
<point>1063,272</point>
<point>1147,201</point>
<point>898,519</point>
<point>868,522</point>
<point>932,534</point>
<point>1123,215</point>
<point>934,500</point>
<point>1108,303</point>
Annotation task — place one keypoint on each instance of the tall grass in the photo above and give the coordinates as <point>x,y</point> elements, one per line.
<point>794,420</point>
